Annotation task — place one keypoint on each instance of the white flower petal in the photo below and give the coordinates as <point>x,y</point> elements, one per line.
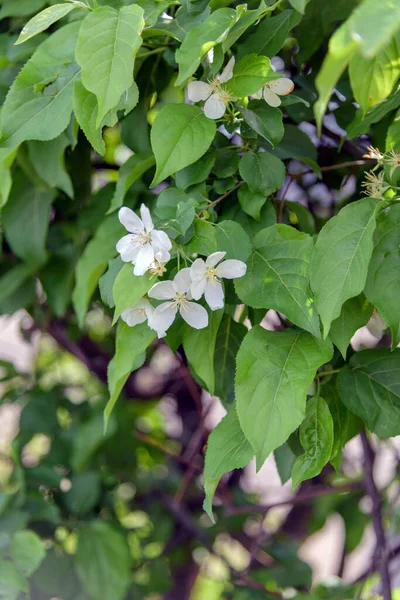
<point>231,268</point>
<point>130,220</point>
<point>282,86</point>
<point>143,259</point>
<point>258,95</point>
<point>162,291</point>
<point>182,281</point>
<point>198,269</point>
<point>214,108</point>
<point>214,294</point>
<point>227,73</point>
<point>195,315</point>
<point>127,248</point>
<point>133,317</point>
<point>198,90</point>
<point>146,218</point>
<point>163,317</point>
<point>160,240</point>
<point>214,259</point>
<point>271,98</point>
<point>197,288</point>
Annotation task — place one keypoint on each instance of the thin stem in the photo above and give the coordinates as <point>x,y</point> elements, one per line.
<point>285,191</point>
<point>218,200</point>
<point>381,552</point>
<point>159,446</point>
<point>326,373</point>
<point>151,52</point>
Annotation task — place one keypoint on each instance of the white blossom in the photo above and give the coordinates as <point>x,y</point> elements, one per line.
<point>206,277</point>
<point>178,294</point>
<point>144,246</point>
<point>213,92</point>
<point>273,89</point>
<point>138,313</point>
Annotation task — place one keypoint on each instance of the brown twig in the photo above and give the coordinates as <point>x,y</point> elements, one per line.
<point>285,191</point>
<point>381,551</point>
<point>218,200</point>
<point>156,444</point>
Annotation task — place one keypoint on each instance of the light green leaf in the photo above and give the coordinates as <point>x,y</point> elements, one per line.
<point>21,8</point>
<point>227,449</point>
<point>270,34</point>
<point>103,561</point>
<point>249,75</point>
<point>11,581</point>
<point>263,172</point>
<point>393,134</point>
<point>316,437</point>
<point>27,551</point>
<point>14,278</point>
<point>199,346</point>
<point>348,235</point>
<point>26,220</point>
<point>107,45</point>
<point>274,373</point>
<point>7,158</point>
<point>299,5</point>
<point>285,457</point>
<point>176,211</point>
<point>372,79</point>
<point>87,440</point>
<point>232,239</point>
<point>248,18</point>
<point>229,337</point>
<point>130,172</point>
<point>49,162</point>
<point>39,103</point>
<point>383,282</point>
<point>130,344</point>
<point>265,120</point>
<point>200,39</point>
<point>86,109</point>
<point>93,264</point>
<point>251,202</point>
<point>355,313</point>
<point>369,387</point>
<point>362,123</point>
<point>204,240</point>
<point>278,276</point>
<point>44,19</point>
<point>181,134</point>
<point>106,281</point>
<point>129,288</point>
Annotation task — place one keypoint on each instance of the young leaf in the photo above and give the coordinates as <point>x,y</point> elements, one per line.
<point>249,75</point>
<point>39,103</point>
<point>181,134</point>
<point>348,235</point>
<point>227,449</point>
<point>176,210</point>
<point>362,122</point>
<point>355,313</point>
<point>263,172</point>
<point>278,276</point>
<point>107,45</point>
<point>383,285</point>
<point>316,437</point>
<point>129,288</point>
<point>229,337</point>
<point>270,35</point>
<point>368,386</point>
<point>274,373</point>
<point>44,19</point>
<point>85,109</point>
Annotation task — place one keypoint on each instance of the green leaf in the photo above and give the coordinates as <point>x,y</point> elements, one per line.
<point>49,163</point>
<point>249,75</point>
<point>130,172</point>
<point>227,449</point>
<point>251,202</point>
<point>26,220</point>
<point>274,373</point>
<point>84,493</point>
<point>297,144</point>
<point>265,120</point>
<point>93,264</point>
<point>106,281</point>
<point>299,5</point>
<point>263,172</point>
<point>229,337</point>
<point>368,386</point>
<point>383,284</point>
<point>27,551</point>
<point>181,134</point>
<point>278,276</point>
<point>204,240</point>
<point>87,440</point>
<point>129,288</point>
<point>362,122</point>
<point>285,457</point>
<point>86,109</point>
<point>200,39</point>
<point>21,8</point>
<point>44,19</point>
<point>11,581</point>
<point>372,79</point>
<point>130,344</point>
<point>103,561</point>
<point>348,235</point>
<point>7,158</point>
<point>57,278</point>
<point>232,239</point>
<point>199,346</point>
<point>355,313</point>
<point>195,173</point>
<point>107,45</point>
<point>39,103</point>
<point>13,279</point>
<point>270,35</point>
<point>176,211</point>
<point>248,18</point>
<point>316,437</point>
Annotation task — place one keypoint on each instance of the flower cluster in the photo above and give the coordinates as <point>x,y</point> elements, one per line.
<point>376,185</point>
<point>217,96</point>
<point>149,250</point>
